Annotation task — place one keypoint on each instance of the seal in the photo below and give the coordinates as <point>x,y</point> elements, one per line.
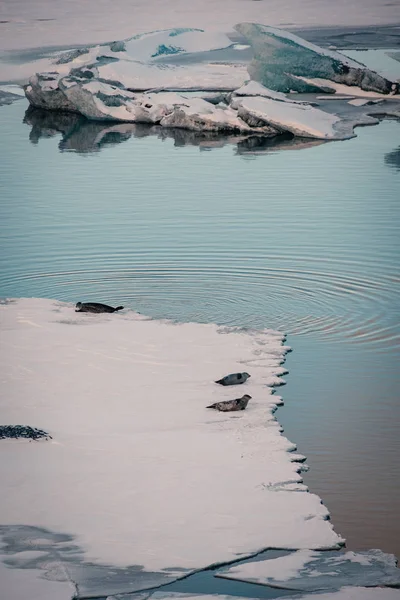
<point>233,379</point>
<point>231,405</point>
<point>95,307</point>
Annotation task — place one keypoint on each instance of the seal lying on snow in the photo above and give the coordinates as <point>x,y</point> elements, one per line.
<point>231,405</point>
<point>233,379</point>
<point>95,307</point>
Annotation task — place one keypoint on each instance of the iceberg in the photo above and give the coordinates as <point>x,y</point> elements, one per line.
<point>281,59</point>
<point>139,484</point>
<point>139,80</point>
<point>307,570</point>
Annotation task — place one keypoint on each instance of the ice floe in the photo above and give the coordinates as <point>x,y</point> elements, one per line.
<point>280,58</point>
<point>307,570</point>
<point>139,80</point>
<point>138,471</point>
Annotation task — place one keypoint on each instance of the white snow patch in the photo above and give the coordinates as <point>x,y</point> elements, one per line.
<point>21,584</point>
<point>282,568</point>
<point>305,121</point>
<point>138,469</point>
<point>355,593</point>
<point>364,101</point>
<point>202,76</point>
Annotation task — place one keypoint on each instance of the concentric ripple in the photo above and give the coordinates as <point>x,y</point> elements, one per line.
<point>306,241</point>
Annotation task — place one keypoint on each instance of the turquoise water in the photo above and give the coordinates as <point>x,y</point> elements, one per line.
<point>303,240</point>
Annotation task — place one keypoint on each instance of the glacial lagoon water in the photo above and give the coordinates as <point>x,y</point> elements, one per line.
<point>304,239</point>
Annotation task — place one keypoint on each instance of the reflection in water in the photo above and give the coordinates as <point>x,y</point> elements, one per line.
<point>84,136</point>
<point>392,159</point>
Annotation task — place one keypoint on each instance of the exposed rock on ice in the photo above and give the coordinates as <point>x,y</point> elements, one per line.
<point>312,571</point>
<point>43,91</point>
<point>281,57</point>
<point>22,431</point>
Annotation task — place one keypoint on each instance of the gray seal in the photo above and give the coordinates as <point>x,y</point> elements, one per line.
<point>233,379</point>
<point>95,307</point>
<point>232,405</point>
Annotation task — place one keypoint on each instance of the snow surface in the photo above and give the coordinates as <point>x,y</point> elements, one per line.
<point>305,121</point>
<point>29,584</point>
<point>313,571</point>
<point>138,469</point>
<point>56,22</point>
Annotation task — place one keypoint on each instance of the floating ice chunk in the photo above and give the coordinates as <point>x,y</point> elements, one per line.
<point>280,57</point>
<point>364,101</point>
<point>138,469</point>
<point>313,571</point>
<point>10,94</point>
<point>335,97</point>
<point>305,121</point>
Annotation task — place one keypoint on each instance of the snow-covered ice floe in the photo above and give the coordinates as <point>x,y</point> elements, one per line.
<point>161,78</point>
<point>307,570</point>
<point>138,473</point>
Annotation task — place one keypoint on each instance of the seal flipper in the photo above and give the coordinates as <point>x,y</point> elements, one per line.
<point>212,406</point>
<point>221,381</point>
<point>118,308</point>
